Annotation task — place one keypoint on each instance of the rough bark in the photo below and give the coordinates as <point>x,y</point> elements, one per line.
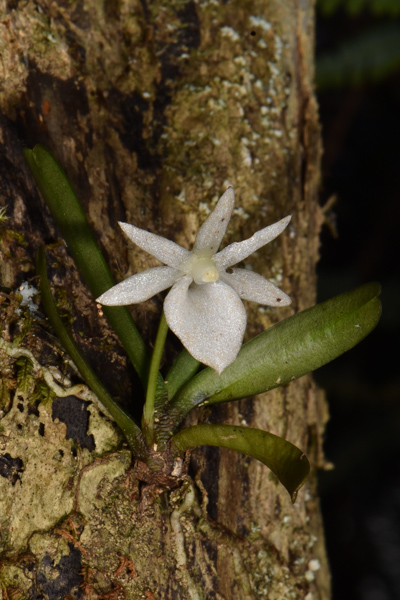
<point>151,107</point>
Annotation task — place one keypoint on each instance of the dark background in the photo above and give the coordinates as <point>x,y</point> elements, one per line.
<point>358,88</point>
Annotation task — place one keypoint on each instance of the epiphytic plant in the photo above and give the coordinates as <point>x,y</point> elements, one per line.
<point>205,311</point>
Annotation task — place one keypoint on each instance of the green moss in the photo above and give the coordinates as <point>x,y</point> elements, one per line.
<point>17,236</point>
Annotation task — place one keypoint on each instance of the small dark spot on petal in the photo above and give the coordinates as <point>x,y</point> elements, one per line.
<point>279,299</point>
<point>229,270</point>
<point>222,220</point>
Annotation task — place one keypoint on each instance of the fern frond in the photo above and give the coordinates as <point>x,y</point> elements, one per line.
<point>389,8</point>
<point>24,370</point>
<point>371,56</point>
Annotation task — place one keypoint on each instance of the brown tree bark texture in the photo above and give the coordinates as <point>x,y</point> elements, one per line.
<point>151,107</point>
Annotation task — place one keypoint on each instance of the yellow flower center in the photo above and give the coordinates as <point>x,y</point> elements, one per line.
<point>203,270</point>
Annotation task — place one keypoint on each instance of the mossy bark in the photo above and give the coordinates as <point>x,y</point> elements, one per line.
<point>152,108</point>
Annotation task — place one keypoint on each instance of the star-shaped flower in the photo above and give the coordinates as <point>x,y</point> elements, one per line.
<point>204,307</point>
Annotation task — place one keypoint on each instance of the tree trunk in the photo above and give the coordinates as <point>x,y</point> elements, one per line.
<point>151,107</point>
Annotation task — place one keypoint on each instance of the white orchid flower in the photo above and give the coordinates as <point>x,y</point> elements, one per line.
<point>204,307</point>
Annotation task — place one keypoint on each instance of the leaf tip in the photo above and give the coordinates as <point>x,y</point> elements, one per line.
<point>301,476</point>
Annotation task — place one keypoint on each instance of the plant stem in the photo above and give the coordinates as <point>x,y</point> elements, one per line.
<point>148,410</point>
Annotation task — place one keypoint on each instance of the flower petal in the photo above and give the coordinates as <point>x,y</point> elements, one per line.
<point>165,250</point>
<point>140,287</point>
<point>254,287</point>
<point>238,251</point>
<point>209,320</point>
<point>212,231</point>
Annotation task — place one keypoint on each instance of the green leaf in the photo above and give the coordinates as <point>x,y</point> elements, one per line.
<point>131,431</point>
<point>355,7</point>
<point>283,353</point>
<point>183,369</point>
<point>284,459</point>
<point>67,212</point>
<point>370,56</point>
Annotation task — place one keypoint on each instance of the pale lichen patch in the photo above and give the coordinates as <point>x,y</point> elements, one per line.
<point>31,507</point>
<point>47,544</point>
<point>16,578</point>
<point>260,22</point>
<point>111,468</point>
<point>230,33</point>
<point>107,436</point>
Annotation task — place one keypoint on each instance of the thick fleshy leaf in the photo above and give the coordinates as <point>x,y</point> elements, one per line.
<point>164,250</point>
<point>254,287</point>
<point>209,320</point>
<point>140,287</point>
<point>284,352</point>
<point>285,460</point>
<point>233,254</point>
<point>183,369</point>
<point>210,234</point>
<point>67,212</point>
